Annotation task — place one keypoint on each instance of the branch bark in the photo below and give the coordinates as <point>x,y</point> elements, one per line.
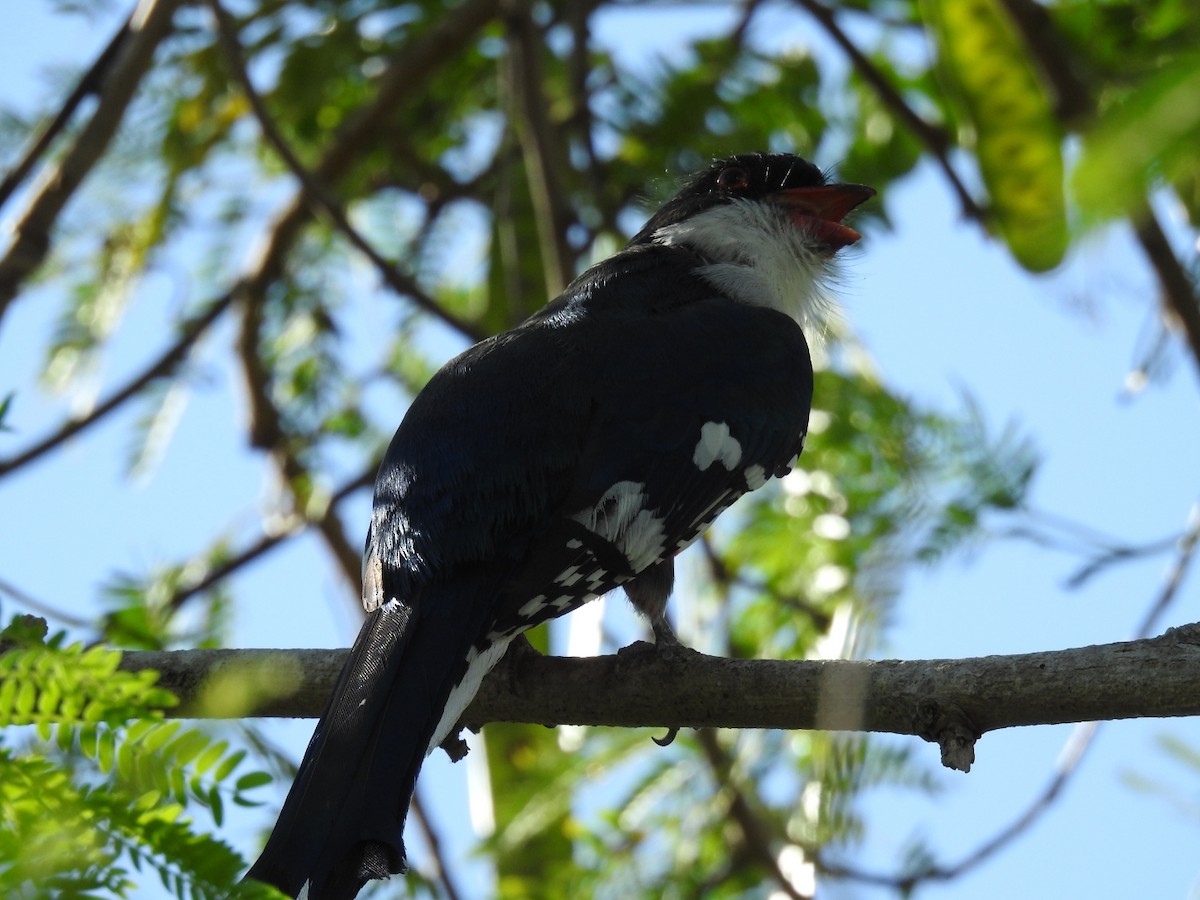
<point>149,24</point>
<point>949,702</point>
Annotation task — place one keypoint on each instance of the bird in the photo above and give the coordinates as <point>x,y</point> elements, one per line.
<point>576,453</point>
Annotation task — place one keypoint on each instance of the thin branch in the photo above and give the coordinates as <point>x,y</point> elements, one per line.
<point>149,24</point>
<point>1178,291</point>
<point>318,190</point>
<point>719,572</point>
<point>42,608</point>
<point>936,141</point>
<point>537,142</point>
<point>90,83</point>
<point>401,78</point>
<point>268,432</point>
<point>163,366</point>
<point>755,831</point>
<point>441,871</point>
<point>1073,752</point>
<point>1157,677</point>
<point>1075,103</point>
<point>264,545</point>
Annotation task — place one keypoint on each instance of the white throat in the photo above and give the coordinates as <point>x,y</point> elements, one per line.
<point>760,257</point>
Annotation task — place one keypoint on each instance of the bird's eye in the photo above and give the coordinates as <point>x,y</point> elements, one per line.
<point>733,178</point>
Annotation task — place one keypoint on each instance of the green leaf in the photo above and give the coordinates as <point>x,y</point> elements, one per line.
<point>210,757</point>
<point>1148,137</point>
<point>1018,140</point>
<point>5,408</point>
<point>228,764</point>
<point>251,780</point>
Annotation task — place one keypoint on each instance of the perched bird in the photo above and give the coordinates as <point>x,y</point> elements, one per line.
<point>576,453</point>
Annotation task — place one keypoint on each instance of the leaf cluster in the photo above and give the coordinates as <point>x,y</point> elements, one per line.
<point>87,801</point>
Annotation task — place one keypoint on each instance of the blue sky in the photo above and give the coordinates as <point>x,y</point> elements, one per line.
<point>941,310</point>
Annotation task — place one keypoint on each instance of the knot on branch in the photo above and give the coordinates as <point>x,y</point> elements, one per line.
<point>1184,634</point>
<point>948,726</point>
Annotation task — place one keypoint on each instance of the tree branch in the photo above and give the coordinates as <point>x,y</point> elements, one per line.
<point>1073,752</point>
<point>756,832</point>
<point>149,24</point>
<point>552,212</point>
<point>317,190</point>
<point>1178,292</point>
<point>161,367</point>
<point>935,140</point>
<point>91,82</point>
<point>1074,104</point>
<point>950,702</point>
<point>265,544</point>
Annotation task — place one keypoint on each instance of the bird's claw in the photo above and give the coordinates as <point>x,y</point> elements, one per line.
<point>669,738</point>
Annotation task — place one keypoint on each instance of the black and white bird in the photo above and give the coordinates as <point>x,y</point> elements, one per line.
<point>577,453</point>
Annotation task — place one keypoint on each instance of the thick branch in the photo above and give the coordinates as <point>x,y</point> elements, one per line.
<point>537,139</point>
<point>951,702</point>
<point>150,23</point>
<point>90,83</point>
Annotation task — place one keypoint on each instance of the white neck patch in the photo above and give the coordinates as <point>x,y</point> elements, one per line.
<point>760,257</point>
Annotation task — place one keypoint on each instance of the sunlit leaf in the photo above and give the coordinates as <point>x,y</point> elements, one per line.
<point>1017,138</point>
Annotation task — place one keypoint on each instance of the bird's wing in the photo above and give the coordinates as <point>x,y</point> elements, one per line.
<point>683,421</point>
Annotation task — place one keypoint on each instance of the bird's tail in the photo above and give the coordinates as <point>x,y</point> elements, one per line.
<point>342,822</point>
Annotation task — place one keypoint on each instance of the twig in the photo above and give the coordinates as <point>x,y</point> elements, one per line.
<point>1073,751</point>
<point>263,545</point>
<point>720,574</point>
<point>935,139</point>
<point>318,190</point>
<point>148,25</point>
<point>1072,98</point>
<point>268,432</point>
<point>164,365</point>
<point>755,831</point>
<point>1178,291</point>
<point>441,870</point>
<point>38,606</point>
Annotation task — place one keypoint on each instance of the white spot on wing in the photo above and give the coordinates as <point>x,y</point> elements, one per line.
<point>716,444</point>
<point>756,477</point>
<point>563,601</point>
<point>478,664</point>
<point>568,576</point>
<point>532,607</point>
<point>622,518</point>
<point>701,521</point>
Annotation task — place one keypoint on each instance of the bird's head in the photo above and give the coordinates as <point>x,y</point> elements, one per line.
<point>768,226</point>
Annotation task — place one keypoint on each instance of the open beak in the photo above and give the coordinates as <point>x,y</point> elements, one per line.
<point>820,210</point>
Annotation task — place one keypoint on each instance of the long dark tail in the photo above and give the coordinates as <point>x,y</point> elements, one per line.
<point>342,822</point>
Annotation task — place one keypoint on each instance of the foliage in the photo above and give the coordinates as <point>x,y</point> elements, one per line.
<point>87,800</point>
<point>519,140</point>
